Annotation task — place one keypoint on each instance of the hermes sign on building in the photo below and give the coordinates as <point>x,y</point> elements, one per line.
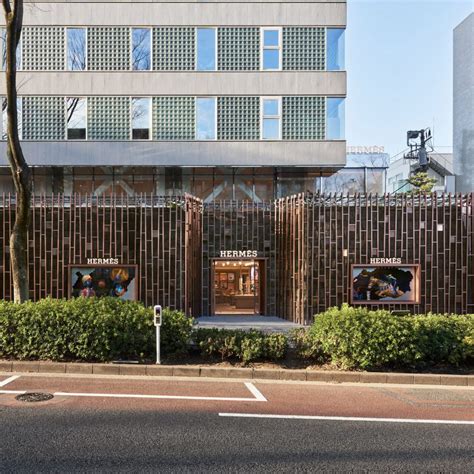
<point>238,254</point>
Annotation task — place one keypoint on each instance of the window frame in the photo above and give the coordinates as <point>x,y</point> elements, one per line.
<point>279,117</point>
<point>196,98</point>
<point>66,52</point>
<point>150,120</point>
<point>216,38</point>
<point>278,48</point>
<point>86,138</point>
<point>131,47</point>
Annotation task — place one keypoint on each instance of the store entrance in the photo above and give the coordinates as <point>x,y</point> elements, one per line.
<point>238,287</point>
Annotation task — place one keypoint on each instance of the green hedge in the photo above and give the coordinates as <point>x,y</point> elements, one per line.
<point>96,329</point>
<point>352,337</point>
<point>246,346</point>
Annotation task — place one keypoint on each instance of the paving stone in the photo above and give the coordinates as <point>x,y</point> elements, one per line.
<point>20,366</point>
<point>159,370</point>
<point>132,370</point>
<point>319,376</point>
<point>240,373</point>
<point>218,372</point>
<point>346,377</point>
<point>292,374</point>
<point>105,369</point>
<point>427,379</point>
<point>373,377</point>
<point>186,371</point>
<point>52,367</point>
<point>6,365</point>
<point>79,368</point>
<point>453,380</point>
<point>401,378</point>
<point>272,374</point>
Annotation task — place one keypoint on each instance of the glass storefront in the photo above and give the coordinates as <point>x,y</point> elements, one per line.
<point>209,184</point>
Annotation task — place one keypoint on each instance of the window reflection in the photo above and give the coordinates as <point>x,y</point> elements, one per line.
<point>206,118</point>
<point>335,53</point>
<point>141,118</point>
<point>335,118</point>
<point>206,49</point>
<point>141,49</point>
<point>76,109</point>
<point>76,49</point>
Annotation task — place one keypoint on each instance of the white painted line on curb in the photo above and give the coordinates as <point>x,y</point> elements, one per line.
<point>8,380</point>
<point>13,392</point>
<point>255,392</point>
<point>346,418</point>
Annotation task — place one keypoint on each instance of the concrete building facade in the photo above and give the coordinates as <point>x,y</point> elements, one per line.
<point>463,113</point>
<point>222,99</point>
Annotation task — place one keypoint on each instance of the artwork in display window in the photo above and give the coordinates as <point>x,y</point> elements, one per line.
<point>223,276</point>
<point>118,281</point>
<point>231,277</point>
<point>378,284</point>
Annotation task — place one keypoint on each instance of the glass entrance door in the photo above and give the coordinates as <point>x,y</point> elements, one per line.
<point>236,288</point>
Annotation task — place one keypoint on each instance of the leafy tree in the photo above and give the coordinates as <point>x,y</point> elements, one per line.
<point>13,11</point>
<point>421,183</point>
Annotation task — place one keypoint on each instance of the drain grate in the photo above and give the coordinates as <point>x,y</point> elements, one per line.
<point>34,397</point>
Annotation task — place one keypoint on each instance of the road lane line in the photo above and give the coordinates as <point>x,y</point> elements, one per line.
<point>346,418</point>
<point>8,380</point>
<point>170,397</point>
<point>255,392</point>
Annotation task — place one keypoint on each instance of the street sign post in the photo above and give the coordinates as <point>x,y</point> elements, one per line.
<point>157,321</point>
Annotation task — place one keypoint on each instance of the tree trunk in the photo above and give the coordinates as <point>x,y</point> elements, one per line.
<point>19,167</point>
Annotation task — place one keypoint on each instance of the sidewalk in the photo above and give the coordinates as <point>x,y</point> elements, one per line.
<point>243,373</point>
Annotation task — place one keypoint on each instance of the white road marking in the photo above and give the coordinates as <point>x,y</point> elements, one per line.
<point>257,395</point>
<point>8,380</point>
<point>255,392</point>
<point>346,418</point>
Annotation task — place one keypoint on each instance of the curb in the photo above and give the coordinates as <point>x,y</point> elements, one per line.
<point>335,376</point>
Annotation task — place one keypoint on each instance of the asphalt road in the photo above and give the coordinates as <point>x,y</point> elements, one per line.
<point>77,433</point>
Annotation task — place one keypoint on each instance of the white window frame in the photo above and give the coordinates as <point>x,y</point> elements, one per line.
<point>66,64</point>
<point>150,121</point>
<point>131,47</point>
<point>278,48</point>
<point>196,118</point>
<point>86,116</point>
<point>263,116</point>
<point>196,47</point>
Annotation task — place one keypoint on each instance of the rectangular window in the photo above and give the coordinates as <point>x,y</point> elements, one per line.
<point>335,54</point>
<point>76,49</point>
<point>3,40</point>
<point>141,49</point>
<point>141,107</point>
<point>76,110</point>
<point>271,118</point>
<point>19,105</point>
<point>206,49</point>
<point>335,118</point>
<point>206,121</point>
<point>271,49</point>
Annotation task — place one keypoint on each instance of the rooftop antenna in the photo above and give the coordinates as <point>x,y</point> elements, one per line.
<point>420,144</point>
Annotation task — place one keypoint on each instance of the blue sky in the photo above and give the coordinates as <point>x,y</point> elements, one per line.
<point>399,63</point>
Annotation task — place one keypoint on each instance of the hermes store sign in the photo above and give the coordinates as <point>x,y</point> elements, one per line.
<point>238,254</point>
<point>102,261</point>
<point>374,261</point>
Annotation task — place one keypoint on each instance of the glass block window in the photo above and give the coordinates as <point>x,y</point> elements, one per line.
<point>238,49</point>
<point>108,49</point>
<point>43,48</point>
<point>304,48</point>
<point>173,49</point>
<point>304,118</point>
<point>238,118</point>
<point>173,118</point>
<point>108,118</point>
<point>43,118</point>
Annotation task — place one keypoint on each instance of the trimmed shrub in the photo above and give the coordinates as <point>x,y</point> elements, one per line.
<point>353,337</point>
<point>246,346</point>
<point>87,329</point>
